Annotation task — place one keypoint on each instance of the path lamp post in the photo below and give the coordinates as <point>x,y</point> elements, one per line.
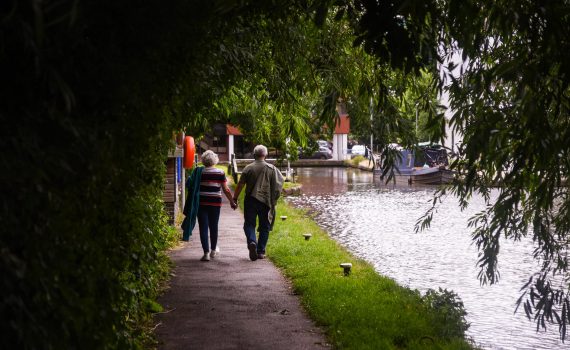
<point>346,267</point>
<point>288,176</point>
<point>417,136</point>
<point>371,122</point>
<point>417,104</point>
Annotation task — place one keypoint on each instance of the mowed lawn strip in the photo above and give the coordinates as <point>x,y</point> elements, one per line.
<point>362,311</point>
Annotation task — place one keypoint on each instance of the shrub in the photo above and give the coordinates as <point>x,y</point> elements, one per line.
<point>449,310</point>
<point>356,160</point>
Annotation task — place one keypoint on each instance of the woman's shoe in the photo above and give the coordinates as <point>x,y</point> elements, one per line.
<point>206,257</point>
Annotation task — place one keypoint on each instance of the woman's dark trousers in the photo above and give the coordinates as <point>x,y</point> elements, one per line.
<point>208,217</point>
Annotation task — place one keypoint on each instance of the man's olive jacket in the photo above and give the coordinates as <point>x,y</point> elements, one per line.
<point>264,182</point>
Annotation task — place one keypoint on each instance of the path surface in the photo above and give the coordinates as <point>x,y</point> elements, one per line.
<point>231,302</point>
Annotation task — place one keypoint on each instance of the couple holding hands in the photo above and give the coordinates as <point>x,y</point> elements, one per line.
<point>262,182</point>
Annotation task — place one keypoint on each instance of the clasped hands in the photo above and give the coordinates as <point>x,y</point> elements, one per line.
<point>233,203</point>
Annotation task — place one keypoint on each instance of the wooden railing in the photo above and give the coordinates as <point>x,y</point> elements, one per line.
<point>374,158</point>
<point>234,171</point>
<point>233,168</point>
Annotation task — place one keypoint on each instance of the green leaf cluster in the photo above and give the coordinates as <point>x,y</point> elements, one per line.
<point>449,308</point>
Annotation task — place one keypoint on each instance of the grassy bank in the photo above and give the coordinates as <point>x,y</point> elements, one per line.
<point>363,310</point>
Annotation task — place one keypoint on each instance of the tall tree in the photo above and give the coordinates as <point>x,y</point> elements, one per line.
<point>511,104</point>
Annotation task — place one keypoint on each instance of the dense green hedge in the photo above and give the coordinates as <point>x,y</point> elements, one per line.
<point>89,100</point>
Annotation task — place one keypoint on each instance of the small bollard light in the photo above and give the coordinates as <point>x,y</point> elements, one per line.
<point>283,217</point>
<point>346,267</point>
<point>307,236</point>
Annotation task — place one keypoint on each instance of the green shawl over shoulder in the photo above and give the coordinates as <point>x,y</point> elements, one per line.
<point>192,203</point>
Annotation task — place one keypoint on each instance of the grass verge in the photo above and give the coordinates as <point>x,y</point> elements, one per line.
<point>361,311</point>
<point>288,185</point>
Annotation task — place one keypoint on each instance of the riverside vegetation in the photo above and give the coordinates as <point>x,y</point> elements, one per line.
<point>364,310</point>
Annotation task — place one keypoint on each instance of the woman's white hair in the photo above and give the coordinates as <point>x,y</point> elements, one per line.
<point>259,151</point>
<point>209,158</point>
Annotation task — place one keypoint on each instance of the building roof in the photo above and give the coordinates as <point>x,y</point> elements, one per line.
<point>343,124</point>
<point>232,130</point>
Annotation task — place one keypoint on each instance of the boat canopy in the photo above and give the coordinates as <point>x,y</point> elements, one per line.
<point>433,156</point>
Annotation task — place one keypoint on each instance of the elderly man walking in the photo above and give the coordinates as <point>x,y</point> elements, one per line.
<point>263,183</point>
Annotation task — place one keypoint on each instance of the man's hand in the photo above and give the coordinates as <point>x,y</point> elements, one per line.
<point>233,205</point>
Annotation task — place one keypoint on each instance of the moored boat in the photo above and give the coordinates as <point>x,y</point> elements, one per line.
<point>431,176</point>
<point>429,167</point>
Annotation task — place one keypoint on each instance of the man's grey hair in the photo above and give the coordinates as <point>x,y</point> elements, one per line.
<point>259,151</point>
<point>210,158</point>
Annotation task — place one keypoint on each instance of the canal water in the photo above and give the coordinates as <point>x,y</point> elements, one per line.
<point>376,223</point>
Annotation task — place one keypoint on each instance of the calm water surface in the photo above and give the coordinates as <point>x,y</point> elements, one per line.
<point>376,222</point>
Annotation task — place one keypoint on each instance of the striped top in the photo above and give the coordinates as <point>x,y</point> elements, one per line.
<point>211,186</point>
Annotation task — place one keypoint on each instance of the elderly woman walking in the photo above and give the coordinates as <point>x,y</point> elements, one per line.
<point>204,201</point>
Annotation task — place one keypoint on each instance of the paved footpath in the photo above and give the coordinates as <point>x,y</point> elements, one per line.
<point>231,302</point>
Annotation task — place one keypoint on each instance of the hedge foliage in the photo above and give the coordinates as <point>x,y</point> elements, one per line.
<point>90,96</point>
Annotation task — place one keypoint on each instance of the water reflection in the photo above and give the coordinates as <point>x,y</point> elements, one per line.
<point>376,222</point>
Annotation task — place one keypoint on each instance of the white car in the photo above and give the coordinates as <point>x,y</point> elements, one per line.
<point>323,143</point>
<point>358,150</point>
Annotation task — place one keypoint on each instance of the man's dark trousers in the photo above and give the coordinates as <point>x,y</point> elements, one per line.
<point>252,210</point>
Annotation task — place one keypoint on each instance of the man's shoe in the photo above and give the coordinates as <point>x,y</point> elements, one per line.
<point>252,251</point>
<point>206,257</point>
<point>260,256</point>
